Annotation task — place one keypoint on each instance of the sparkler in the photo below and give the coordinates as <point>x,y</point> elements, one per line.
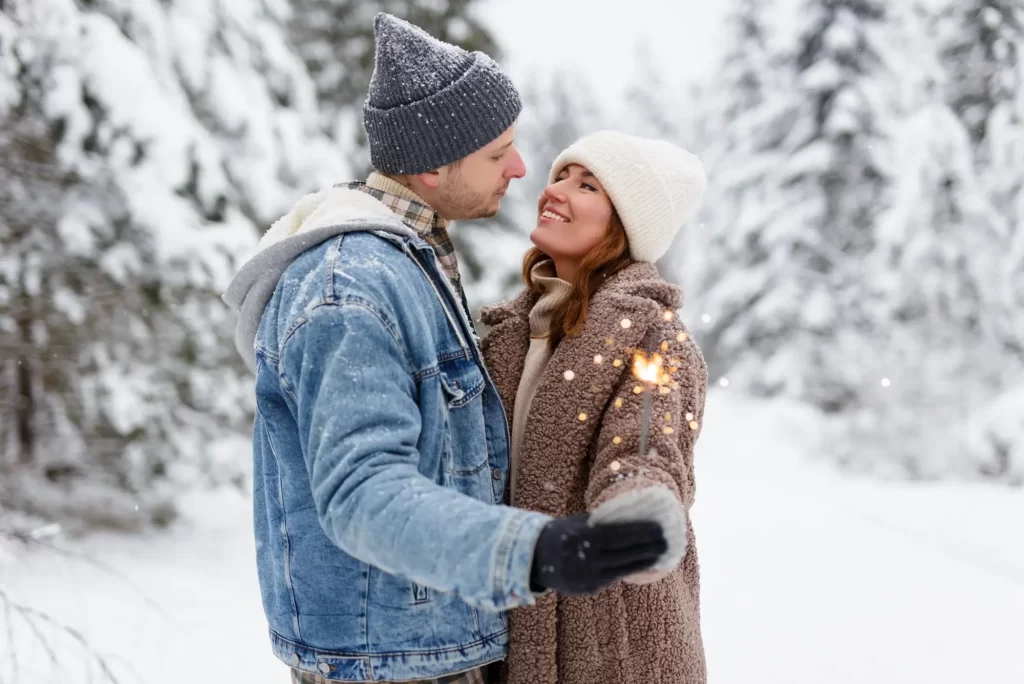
<point>649,370</point>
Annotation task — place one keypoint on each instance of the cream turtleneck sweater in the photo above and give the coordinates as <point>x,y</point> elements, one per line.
<point>554,293</point>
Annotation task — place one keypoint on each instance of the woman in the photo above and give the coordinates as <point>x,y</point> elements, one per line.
<point>562,354</point>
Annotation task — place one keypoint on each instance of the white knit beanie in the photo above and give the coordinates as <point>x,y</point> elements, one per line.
<point>654,185</point>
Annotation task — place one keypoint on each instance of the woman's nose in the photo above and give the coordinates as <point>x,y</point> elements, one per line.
<point>555,192</point>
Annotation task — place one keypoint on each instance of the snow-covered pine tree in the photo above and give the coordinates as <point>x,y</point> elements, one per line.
<point>980,47</point>
<point>735,285</point>
<point>335,39</point>
<point>981,43</point>
<point>146,144</point>
<point>932,350</point>
<point>835,181</point>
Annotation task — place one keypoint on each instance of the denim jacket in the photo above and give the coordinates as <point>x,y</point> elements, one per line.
<point>380,452</point>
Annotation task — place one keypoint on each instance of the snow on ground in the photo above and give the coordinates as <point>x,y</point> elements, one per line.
<point>808,577</point>
<point>812,577</point>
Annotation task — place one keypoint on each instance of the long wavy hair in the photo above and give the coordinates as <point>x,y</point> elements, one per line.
<point>610,256</point>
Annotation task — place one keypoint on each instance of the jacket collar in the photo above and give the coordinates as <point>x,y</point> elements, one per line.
<point>638,281</point>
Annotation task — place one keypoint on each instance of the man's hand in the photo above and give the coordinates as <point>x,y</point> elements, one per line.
<point>575,558</point>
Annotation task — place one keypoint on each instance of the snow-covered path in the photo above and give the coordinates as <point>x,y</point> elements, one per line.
<point>808,578</point>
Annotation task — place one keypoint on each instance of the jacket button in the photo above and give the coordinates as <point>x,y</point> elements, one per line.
<point>324,668</point>
<point>496,473</point>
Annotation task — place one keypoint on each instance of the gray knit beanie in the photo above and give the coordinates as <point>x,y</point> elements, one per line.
<point>431,103</point>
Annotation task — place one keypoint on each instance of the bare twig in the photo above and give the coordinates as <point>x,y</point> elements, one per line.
<point>28,539</point>
<point>31,616</point>
<point>10,639</point>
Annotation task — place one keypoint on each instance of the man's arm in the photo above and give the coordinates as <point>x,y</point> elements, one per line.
<point>355,403</point>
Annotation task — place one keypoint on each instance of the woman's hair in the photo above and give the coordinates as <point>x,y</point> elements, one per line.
<point>610,256</point>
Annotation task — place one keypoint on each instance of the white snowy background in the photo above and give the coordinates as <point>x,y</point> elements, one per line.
<point>855,278</point>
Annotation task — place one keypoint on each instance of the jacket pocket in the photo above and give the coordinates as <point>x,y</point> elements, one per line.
<point>461,388</point>
<point>465,439</point>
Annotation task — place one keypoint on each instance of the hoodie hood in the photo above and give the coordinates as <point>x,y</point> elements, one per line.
<point>314,218</point>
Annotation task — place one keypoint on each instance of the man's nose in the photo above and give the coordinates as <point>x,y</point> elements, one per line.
<point>517,167</point>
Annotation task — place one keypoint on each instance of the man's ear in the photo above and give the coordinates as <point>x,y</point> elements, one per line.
<point>431,179</point>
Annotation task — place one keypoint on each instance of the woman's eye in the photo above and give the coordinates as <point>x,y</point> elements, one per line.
<point>588,186</point>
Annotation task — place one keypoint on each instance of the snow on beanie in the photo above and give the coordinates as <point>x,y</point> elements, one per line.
<point>654,185</point>
<point>431,103</point>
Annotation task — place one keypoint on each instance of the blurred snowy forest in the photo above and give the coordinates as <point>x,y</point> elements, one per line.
<point>860,247</point>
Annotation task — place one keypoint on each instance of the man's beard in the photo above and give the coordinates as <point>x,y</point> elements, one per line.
<point>463,204</point>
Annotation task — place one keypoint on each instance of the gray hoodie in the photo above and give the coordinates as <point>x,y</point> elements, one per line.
<point>315,218</point>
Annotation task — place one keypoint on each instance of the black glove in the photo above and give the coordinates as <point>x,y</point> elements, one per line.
<point>572,557</point>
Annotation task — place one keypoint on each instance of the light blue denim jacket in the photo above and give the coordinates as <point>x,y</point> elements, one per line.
<point>380,452</point>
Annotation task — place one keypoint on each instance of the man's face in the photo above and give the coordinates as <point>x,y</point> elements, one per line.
<point>473,187</point>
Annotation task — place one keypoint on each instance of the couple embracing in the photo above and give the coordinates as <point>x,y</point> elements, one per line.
<point>431,509</point>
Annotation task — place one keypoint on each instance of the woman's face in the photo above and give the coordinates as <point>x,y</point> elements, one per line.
<point>573,215</point>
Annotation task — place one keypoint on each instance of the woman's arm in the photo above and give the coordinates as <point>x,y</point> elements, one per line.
<point>676,415</point>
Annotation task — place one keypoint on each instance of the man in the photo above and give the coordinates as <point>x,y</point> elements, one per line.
<point>380,445</point>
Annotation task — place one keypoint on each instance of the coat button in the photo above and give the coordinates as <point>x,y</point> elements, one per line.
<point>496,473</point>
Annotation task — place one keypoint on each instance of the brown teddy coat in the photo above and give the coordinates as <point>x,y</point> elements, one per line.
<point>580,449</point>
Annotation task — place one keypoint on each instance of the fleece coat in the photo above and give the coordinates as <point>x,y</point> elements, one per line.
<point>580,449</point>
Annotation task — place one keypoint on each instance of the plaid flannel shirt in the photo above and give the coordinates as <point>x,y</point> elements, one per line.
<point>477,676</point>
<point>419,216</point>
